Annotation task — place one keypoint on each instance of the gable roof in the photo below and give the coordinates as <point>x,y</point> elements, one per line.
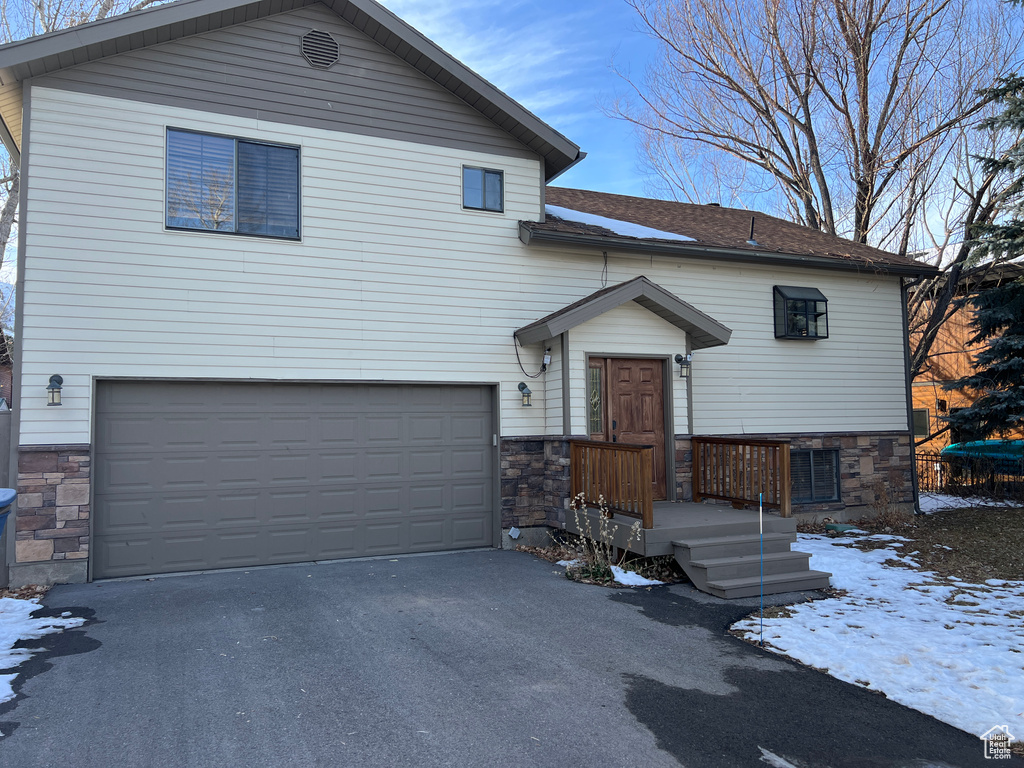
<point>70,47</point>
<point>705,231</point>
<point>704,331</point>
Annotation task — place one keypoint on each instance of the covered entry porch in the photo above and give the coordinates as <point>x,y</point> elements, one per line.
<point>720,547</point>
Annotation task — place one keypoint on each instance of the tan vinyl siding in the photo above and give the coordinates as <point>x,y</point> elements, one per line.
<point>391,281</point>
<point>256,70</point>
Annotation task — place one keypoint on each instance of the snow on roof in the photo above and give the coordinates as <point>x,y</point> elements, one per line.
<point>624,228</point>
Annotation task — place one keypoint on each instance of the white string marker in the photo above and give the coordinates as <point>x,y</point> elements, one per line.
<point>760,526</point>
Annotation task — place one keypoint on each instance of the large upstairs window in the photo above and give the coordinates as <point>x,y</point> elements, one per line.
<point>222,184</point>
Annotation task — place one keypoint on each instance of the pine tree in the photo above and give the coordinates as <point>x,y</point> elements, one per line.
<point>998,320</point>
<point>999,366</point>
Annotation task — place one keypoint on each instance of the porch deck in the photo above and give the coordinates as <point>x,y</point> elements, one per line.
<point>720,548</point>
<point>681,520</point>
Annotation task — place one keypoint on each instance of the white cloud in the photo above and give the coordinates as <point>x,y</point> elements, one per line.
<point>518,48</point>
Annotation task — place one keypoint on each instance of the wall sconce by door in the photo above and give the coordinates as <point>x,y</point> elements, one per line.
<point>53,389</point>
<point>684,365</point>
<point>526,393</point>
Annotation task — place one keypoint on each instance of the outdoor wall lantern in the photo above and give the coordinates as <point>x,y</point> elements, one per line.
<point>526,393</point>
<point>53,390</point>
<point>684,365</point>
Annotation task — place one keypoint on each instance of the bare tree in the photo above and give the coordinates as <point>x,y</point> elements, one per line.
<point>856,117</point>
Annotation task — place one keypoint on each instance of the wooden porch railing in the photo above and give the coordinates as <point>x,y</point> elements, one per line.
<point>737,470</point>
<point>622,474</point>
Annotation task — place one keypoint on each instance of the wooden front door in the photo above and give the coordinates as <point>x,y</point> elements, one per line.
<point>627,405</point>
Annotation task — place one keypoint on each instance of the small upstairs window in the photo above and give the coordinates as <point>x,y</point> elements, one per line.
<point>221,184</point>
<point>800,313</point>
<point>483,189</point>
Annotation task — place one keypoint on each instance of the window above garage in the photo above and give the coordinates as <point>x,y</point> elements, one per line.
<point>800,313</point>
<point>236,186</point>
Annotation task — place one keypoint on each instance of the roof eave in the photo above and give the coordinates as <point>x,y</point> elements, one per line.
<point>529,235</point>
<point>704,331</point>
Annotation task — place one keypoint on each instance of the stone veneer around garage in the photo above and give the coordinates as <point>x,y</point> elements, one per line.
<point>52,521</point>
<point>534,481</point>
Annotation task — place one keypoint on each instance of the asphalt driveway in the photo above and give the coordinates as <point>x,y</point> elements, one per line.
<point>482,658</point>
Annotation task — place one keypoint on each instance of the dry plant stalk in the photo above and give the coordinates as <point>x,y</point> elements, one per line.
<point>596,553</point>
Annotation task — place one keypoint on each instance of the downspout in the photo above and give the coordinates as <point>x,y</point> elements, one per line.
<point>566,415</point>
<point>910,396</point>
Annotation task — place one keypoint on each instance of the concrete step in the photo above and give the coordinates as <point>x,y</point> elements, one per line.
<point>773,585</point>
<point>716,569</point>
<point>734,545</point>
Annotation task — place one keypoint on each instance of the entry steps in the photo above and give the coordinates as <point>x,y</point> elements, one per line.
<point>726,562</point>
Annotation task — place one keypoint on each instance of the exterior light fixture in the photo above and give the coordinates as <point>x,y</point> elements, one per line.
<point>526,393</point>
<point>53,389</point>
<point>684,365</point>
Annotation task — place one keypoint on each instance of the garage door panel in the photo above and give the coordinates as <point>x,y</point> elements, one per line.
<point>470,429</point>
<point>382,538</point>
<point>466,530</point>
<point>238,432</point>
<point>338,430</point>
<point>427,463</point>
<point>206,475</point>
<point>335,542</point>
<point>426,535</point>
<point>426,429</point>
<point>469,496</point>
<point>382,430</point>
<point>428,499</point>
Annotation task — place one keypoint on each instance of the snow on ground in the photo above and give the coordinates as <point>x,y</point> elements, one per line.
<point>625,228</point>
<point>16,623</point>
<point>947,648</point>
<point>933,501</point>
<point>631,579</point>
<point>622,576</point>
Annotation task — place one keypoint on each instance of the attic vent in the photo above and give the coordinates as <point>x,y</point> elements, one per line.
<point>320,49</point>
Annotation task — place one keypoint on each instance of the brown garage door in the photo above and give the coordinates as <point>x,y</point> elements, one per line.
<point>205,475</point>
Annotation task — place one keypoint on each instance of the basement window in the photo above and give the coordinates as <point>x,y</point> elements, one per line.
<point>800,313</point>
<point>483,189</point>
<point>815,475</point>
<point>236,186</point>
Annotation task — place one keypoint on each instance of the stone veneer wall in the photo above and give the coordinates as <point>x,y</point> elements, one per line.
<point>868,461</point>
<point>52,522</point>
<point>534,481</point>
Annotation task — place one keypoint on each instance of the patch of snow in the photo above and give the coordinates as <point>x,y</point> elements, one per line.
<point>933,501</point>
<point>631,579</point>
<point>16,623</point>
<point>774,760</point>
<point>567,563</point>
<point>905,633</point>
<point>624,228</point>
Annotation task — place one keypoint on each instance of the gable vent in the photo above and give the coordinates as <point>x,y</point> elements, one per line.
<point>320,49</point>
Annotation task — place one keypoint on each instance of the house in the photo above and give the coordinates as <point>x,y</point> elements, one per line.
<point>952,359</point>
<point>442,321</point>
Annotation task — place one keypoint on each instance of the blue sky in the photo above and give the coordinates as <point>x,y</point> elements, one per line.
<point>555,58</point>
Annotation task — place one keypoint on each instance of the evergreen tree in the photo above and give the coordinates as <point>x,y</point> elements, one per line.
<point>998,319</point>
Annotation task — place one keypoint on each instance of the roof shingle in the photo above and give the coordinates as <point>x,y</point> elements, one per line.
<point>713,227</point>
